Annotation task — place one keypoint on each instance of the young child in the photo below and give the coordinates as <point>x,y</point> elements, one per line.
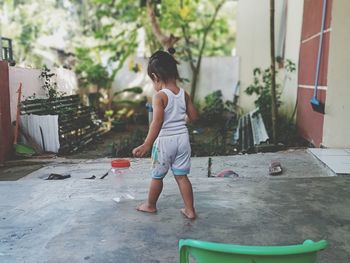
<point>168,133</point>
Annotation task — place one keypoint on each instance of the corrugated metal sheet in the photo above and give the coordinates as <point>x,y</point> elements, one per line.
<point>78,124</point>
<point>43,129</point>
<point>258,128</point>
<point>251,132</point>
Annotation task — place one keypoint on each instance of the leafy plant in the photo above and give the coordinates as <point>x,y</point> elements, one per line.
<point>127,108</point>
<point>89,72</point>
<point>125,146</point>
<point>134,90</point>
<point>262,88</point>
<point>50,84</point>
<point>214,107</point>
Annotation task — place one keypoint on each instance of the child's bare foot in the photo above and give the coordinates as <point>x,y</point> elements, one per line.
<point>144,207</point>
<point>187,213</point>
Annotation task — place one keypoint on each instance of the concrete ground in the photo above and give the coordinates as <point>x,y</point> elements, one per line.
<point>75,220</point>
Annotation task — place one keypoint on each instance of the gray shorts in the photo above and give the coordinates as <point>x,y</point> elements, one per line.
<point>171,152</point>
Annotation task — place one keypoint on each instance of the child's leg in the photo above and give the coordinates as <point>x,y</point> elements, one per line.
<point>155,189</point>
<point>185,187</point>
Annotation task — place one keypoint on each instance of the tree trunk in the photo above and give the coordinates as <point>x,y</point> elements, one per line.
<point>196,67</point>
<point>166,41</point>
<point>195,74</point>
<point>274,109</point>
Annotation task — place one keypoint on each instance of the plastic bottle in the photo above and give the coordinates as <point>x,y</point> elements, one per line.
<point>118,168</point>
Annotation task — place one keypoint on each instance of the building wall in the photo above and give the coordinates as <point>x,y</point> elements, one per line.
<point>216,73</point>
<point>336,121</point>
<point>309,122</point>
<point>5,120</point>
<point>66,82</point>
<point>253,45</point>
<point>292,47</point>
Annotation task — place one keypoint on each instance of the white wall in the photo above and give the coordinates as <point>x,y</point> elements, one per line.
<point>253,47</point>
<point>336,121</point>
<point>216,73</point>
<point>66,81</point>
<point>253,44</point>
<point>292,46</point>
<point>127,78</point>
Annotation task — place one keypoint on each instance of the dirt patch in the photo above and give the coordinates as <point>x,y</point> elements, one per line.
<point>104,146</point>
<point>206,141</point>
<point>13,173</point>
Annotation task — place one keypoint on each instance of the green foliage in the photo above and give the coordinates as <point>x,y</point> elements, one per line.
<point>125,146</point>
<point>112,29</point>
<point>195,16</point>
<point>108,27</point>
<point>134,90</point>
<point>90,72</point>
<point>287,132</point>
<point>31,24</point>
<point>213,107</point>
<point>261,87</point>
<point>50,84</point>
<point>209,143</point>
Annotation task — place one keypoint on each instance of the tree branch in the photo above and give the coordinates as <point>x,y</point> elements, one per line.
<point>204,39</point>
<point>201,50</point>
<point>166,41</point>
<point>188,43</point>
<point>187,49</point>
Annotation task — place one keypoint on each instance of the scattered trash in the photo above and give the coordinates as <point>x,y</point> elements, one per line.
<point>23,150</point>
<point>251,132</point>
<point>275,168</point>
<point>198,131</point>
<point>227,173</point>
<point>209,166</point>
<point>91,177</point>
<point>71,126</point>
<point>125,196</point>
<point>103,176</point>
<point>58,177</point>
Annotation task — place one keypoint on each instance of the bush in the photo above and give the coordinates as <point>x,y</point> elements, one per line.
<point>213,107</point>
<point>262,88</point>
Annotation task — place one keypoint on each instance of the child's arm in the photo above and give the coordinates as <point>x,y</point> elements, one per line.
<point>154,128</point>
<point>191,111</point>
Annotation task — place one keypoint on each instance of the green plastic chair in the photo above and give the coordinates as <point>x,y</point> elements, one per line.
<point>209,252</point>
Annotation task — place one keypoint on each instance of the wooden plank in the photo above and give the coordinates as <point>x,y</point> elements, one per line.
<point>77,125</point>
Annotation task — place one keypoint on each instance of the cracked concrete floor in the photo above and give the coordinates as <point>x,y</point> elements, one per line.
<point>75,220</point>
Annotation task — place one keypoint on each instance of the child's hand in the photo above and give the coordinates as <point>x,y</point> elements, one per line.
<point>141,150</point>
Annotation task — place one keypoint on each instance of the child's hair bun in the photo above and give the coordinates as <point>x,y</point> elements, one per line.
<point>171,51</point>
